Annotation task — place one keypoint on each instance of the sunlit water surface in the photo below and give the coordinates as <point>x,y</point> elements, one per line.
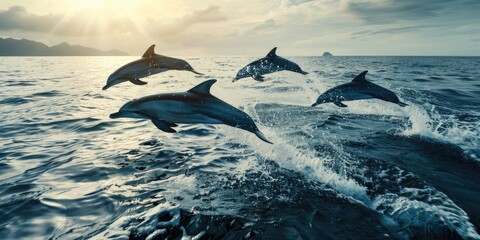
<point>373,170</point>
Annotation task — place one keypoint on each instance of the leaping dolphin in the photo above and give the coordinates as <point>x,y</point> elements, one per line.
<point>196,105</point>
<point>357,89</point>
<point>150,63</point>
<point>269,64</point>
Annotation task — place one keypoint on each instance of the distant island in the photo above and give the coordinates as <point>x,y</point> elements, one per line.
<point>24,47</point>
<point>327,54</point>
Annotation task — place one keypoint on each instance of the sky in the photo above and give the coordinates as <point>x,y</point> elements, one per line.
<point>251,27</point>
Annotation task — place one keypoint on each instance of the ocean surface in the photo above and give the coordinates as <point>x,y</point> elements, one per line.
<point>373,170</point>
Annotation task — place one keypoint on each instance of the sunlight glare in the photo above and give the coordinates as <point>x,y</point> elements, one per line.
<point>90,3</point>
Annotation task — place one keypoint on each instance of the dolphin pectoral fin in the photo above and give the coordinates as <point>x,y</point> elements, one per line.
<point>171,124</point>
<point>402,104</point>
<point>160,124</point>
<point>340,104</point>
<point>259,78</point>
<point>261,136</point>
<point>164,126</point>
<point>137,81</point>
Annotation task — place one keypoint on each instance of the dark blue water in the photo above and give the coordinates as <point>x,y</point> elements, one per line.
<point>373,170</point>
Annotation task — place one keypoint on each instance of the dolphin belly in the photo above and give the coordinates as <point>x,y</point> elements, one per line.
<point>157,70</point>
<point>193,119</point>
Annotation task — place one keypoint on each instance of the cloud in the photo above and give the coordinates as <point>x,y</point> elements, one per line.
<point>17,18</point>
<point>268,26</point>
<point>297,27</point>
<point>83,23</point>
<point>287,27</point>
<point>90,23</point>
<point>100,25</point>
<point>390,11</point>
<point>86,23</point>
<point>171,31</point>
<point>294,2</point>
<point>392,30</point>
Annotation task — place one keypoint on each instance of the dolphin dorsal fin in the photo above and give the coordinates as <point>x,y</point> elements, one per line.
<point>360,78</point>
<point>203,88</point>
<point>150,52</point>
<point>272,52</point>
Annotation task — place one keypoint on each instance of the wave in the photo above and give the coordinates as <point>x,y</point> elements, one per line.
<point>372,170</point>
<point>329,171</point>
<point>430,123</point>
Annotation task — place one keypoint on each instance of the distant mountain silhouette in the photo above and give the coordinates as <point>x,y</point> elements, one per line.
<point>24,47</point>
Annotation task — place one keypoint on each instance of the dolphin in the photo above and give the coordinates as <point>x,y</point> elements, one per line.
<point>269,64</point>
<point>150,63</point>
<point>197,105</point>
<point>357,89</point>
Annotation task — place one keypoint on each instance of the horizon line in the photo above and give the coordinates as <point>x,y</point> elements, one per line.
<point>361,55</point>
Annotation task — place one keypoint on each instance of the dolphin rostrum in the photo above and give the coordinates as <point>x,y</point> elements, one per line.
<point>357,89</point>
<point>196,105</point>
<point>150,63</point>
<point>269,64</point>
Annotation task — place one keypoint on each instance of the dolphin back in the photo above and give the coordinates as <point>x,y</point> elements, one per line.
<point>359,88</point>
<point>269,64</point>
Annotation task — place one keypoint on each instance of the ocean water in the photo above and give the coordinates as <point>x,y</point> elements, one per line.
<point>373,170</point>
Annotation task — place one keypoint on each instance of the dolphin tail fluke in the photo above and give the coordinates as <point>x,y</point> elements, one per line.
<point>402,104</point>
<point>261,136</point>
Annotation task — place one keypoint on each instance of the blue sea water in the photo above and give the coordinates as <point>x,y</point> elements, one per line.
<point>373,170</point>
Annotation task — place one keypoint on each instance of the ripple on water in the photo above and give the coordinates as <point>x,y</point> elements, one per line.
<point>372,170</point>
<point>14,101</point>
<point>52,93</point>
